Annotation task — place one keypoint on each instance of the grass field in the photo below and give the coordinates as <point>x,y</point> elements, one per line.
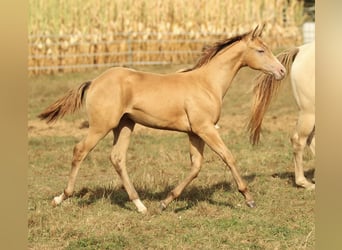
<point>210,214</point>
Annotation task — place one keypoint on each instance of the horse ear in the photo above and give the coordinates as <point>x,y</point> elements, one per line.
<point>257,32</point>
<point>261,29</point>
<point>254,33</point>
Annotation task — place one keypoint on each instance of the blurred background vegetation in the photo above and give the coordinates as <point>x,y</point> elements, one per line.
<point>64,34</point>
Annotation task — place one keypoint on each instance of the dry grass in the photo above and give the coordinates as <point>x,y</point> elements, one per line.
<point>92,16</point>
<point>63,33</point>
<point>210,214</point>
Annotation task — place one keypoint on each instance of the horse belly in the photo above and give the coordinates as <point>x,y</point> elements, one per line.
<point>161,117</point>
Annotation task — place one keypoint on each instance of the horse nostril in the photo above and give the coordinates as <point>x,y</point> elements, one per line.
<point>283,71</point>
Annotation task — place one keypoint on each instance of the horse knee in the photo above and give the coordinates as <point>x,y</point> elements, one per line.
<point>294,138</point>
<point>195,171</point>
<point>116,160</point>
<point>296,143</point>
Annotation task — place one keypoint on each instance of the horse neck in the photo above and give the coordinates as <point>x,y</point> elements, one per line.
<point>221,70</point>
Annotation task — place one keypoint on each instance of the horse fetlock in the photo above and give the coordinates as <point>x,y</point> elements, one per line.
<point>243,190</point>
<point>164,203</point>
<point>67,193</point>
<point>248,197</point>
<point>162,206</point>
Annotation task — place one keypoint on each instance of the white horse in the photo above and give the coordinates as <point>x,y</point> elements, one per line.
<point>300,63</point>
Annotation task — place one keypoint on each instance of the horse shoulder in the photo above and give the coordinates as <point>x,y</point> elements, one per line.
<point>203,107</point>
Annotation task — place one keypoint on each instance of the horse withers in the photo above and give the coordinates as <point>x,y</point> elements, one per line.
<point>188,101</point>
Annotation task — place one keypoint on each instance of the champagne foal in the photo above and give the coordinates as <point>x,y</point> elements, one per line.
<point>188,101</point>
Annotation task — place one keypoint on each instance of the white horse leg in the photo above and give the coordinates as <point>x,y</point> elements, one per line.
<point>305,125</point>
<point>118,157</point>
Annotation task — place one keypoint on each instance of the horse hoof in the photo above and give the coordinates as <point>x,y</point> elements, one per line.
<point>251,204</point>
<point>310,187</point>
<point>55,202</point>
<point>142,211</point>
<point>307,185</point>
<point>58,200</point>
<point>140,206</point>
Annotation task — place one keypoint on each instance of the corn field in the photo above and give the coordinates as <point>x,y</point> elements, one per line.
<point>69,36</point>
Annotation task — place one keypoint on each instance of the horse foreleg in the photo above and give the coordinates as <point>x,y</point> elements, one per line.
<point>118,158</point>
<point>305,125</point>
<point>80,152</point>
<point>211,137</point>
<point>196,155</point>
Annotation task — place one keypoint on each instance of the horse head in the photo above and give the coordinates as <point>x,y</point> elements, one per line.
<point>258,55</point>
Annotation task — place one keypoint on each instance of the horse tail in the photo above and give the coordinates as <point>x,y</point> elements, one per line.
<point>266,86</point>
<point>67,104</point>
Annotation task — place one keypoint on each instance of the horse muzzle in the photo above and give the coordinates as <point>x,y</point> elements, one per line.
<point>280,73</point>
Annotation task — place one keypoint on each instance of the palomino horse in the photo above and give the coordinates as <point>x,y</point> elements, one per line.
<point>300,62</point>
<point>188,101</point>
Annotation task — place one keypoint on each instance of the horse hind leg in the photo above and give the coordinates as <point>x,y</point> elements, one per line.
<point>299,140</point>
<point>118,158</point>
<point>81,150</point>
<point>196,156</point>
